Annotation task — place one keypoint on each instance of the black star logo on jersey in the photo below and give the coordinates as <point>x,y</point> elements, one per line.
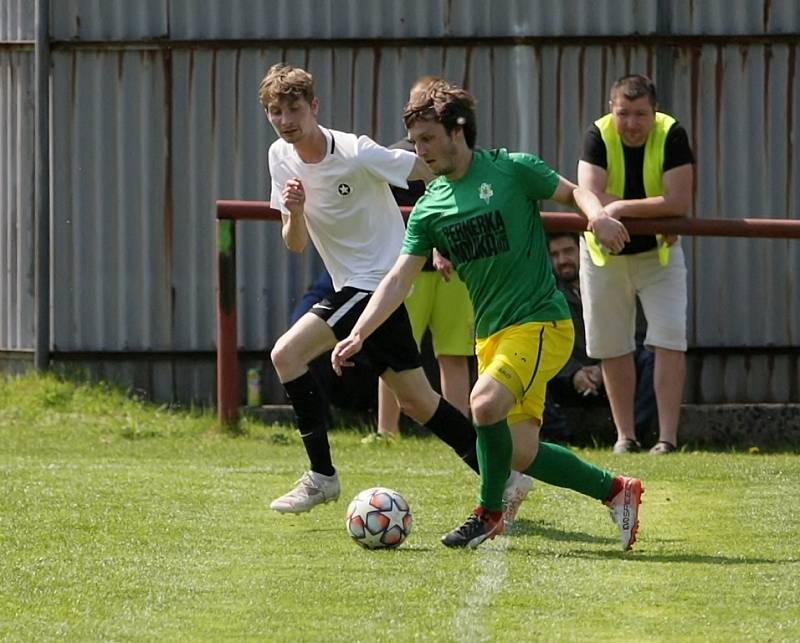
<point>345,189</point>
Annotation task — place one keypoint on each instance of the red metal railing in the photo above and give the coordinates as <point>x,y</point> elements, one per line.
<point>229,212</point>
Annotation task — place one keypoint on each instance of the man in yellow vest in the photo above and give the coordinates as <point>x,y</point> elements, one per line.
<point>638,163</point>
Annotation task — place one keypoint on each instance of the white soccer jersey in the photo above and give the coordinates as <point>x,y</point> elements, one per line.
<point>350,213</point>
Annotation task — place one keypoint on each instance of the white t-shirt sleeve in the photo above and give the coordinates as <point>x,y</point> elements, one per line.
<point>275,199</point>
<point>392,166</point>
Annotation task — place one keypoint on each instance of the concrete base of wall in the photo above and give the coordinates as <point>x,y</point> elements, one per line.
<point>16,362</point>
<point>770,426</point>
<point>708,426</point>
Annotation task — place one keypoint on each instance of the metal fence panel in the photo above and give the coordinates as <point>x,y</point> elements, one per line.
<point>109,20</point>
<point>17,318</point>
<point>112,220</point>
<point>16,20</point>
<point>147,135</point>
<point>381,19</point>
<point>142,246</point>
<point>746,167</point>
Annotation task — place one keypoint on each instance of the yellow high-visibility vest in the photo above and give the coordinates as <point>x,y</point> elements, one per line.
<point>652,172</point>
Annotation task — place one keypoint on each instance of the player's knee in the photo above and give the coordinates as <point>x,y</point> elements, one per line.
<point>418,406</point>
<point>486,409</point>
<point>282,355</point>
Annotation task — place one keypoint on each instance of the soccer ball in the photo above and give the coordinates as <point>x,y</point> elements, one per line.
<point>378,518</point>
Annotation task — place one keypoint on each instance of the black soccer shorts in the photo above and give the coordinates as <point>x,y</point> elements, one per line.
<point>392,344</point>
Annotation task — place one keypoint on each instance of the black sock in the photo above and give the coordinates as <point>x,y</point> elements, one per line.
<point>449,425</point>
<point>309,407</point>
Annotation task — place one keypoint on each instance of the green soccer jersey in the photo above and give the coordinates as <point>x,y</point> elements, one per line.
<point>488,224</point>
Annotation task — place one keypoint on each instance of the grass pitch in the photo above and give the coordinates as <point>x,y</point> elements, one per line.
<point>123,521</point>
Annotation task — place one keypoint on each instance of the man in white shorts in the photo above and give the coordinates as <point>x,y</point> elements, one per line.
<point>333,187</point>
<point>638,163</point>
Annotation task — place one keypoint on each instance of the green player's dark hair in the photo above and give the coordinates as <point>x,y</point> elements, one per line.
<point>444,103</point>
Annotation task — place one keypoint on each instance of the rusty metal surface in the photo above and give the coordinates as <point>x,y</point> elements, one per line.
<point>383,19</point>
<point>17,310</point>
<point>16,20</point>
<point>147,136</point>
<point>569,221</point>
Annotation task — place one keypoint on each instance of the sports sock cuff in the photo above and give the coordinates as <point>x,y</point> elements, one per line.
<point>300,386</point>
<point>558,466</point>
<point>617,483</point>
<point>495,448</point>
<point>312,421</point>
<point>454,429</point>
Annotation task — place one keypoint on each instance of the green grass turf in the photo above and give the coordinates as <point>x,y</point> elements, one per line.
<point>123,521</point>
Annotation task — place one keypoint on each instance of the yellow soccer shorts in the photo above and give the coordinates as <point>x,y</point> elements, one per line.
<point>524,358</point>
<point>445,308</point>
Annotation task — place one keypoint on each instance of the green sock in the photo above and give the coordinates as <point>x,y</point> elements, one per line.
<point>561,467</point>
<point>494,459</point>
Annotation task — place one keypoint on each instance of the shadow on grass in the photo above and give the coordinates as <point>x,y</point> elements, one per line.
<point>531,528</point>
<point>702,559</point>
<point>403,549</point>
<point>523,527</point>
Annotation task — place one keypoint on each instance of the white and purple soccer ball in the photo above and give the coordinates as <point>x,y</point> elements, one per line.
<point>378,518</point>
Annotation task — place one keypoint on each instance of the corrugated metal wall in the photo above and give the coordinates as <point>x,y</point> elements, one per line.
<point>16,20</point>
<point>383,19</point>
<point>155,116</point>
<point>16,200</point>
<point>17,304</point>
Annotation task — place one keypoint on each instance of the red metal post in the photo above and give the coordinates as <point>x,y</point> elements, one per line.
<point>247,210</point>
<point>569,221</point>
<point>227,341</point>
<point>763,228</point>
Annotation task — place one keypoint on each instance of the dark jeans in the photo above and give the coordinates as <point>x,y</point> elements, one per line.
<point>555,426</point>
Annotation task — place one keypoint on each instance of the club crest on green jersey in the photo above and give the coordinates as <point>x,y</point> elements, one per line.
<point>485,192</point>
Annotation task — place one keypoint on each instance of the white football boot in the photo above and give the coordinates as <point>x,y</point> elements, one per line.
<point>309,491</point>
<point>517,487</point>
<point>624,510</point>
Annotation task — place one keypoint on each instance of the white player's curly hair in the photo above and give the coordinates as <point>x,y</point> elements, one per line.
<point>283,80</point>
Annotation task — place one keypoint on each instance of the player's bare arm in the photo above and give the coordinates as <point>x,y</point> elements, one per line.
<point>610,233</point>
<point>675,201</point>
<point>442,265</point>
<point>391,292</point>
<point>589,197</point>
<point>595,178</point>
<point>294,232</point>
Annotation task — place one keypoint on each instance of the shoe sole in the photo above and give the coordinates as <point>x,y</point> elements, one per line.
<point>292,510</point>
<point>498,529</point>
<point>472,544</point>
